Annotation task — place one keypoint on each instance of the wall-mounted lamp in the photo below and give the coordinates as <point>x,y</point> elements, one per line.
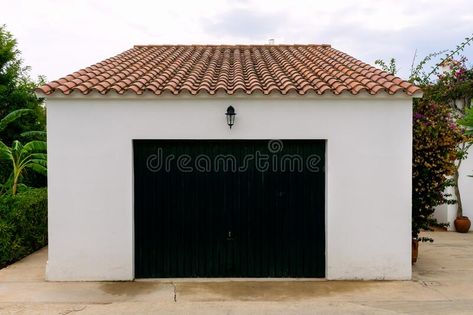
<point>230,116</point>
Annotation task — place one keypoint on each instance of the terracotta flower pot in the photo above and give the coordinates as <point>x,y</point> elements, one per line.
<point>462,224</point>
<point>415,250</point>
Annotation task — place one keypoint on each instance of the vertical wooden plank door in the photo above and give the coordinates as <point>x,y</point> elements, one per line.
<point>229,208</point>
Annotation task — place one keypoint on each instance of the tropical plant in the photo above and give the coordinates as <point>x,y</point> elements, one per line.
<point>11,117</point>
<point>32,156</point>
<point>23,212</point>
<point>17,91</point>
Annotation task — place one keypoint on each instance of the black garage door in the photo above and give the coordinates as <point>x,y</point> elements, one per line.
<point>229,208</point>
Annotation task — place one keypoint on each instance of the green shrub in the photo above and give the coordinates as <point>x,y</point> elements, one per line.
<point>23,224</point>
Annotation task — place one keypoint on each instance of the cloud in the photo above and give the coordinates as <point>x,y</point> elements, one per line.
<point>245,23</point>
<point>58,38</point>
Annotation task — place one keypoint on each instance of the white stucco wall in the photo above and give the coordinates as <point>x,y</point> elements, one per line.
<point>448,213</point>
<point>466,185</point>
<point>368,204</point>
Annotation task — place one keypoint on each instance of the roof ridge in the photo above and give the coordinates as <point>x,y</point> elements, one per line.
<point>232,45</point>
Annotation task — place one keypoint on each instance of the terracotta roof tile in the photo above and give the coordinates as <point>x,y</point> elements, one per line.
<point>284,69</point>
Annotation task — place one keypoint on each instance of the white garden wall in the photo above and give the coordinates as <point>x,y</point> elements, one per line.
<point>448,213</point>
<point>368,204</point>
<point>466,185</point>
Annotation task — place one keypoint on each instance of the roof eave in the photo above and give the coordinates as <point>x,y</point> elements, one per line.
<point>150,95</point>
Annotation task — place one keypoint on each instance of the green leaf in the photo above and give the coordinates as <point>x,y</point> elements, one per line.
<point>34,134</point>
<point>35,146</point>
<point>32,156</point>
<point>17,97</point>
<point>41,156</point>
<point>41,162</point>
<point>38,168</point>
<point>14,115</point>
<point>16,149</point>
<point>467,121</point>
<point>5,151</point>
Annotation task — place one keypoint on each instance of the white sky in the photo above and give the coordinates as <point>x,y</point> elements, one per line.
<point>58,37</point>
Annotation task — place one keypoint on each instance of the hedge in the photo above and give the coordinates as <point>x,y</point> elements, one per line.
<point>23,224</point>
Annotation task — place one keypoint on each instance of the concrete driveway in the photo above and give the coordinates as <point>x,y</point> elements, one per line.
<point>442,284</point>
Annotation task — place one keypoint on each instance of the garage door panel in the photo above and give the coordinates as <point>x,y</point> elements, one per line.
<point>244,223</point>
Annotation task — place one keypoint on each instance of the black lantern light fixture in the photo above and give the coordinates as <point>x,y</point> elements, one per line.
<point>230,116</point>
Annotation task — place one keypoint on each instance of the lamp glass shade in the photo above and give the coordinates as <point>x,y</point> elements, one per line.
<point>230,116</point>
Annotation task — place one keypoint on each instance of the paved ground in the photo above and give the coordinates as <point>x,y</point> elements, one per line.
<point>442,284</point>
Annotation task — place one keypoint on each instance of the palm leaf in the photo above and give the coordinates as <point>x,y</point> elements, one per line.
<point>8,183</point>
<point>16,150</point>
<point>31,155</point>
<point>39,162</point>
<point>34,134</point>
<point>5,151</point>
<point>38,168</point>
<point>35,146</point>
<point>14,115</point>
<point>40,156</point>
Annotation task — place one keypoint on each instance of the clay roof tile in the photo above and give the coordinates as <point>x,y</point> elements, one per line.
<point>266,69</point>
